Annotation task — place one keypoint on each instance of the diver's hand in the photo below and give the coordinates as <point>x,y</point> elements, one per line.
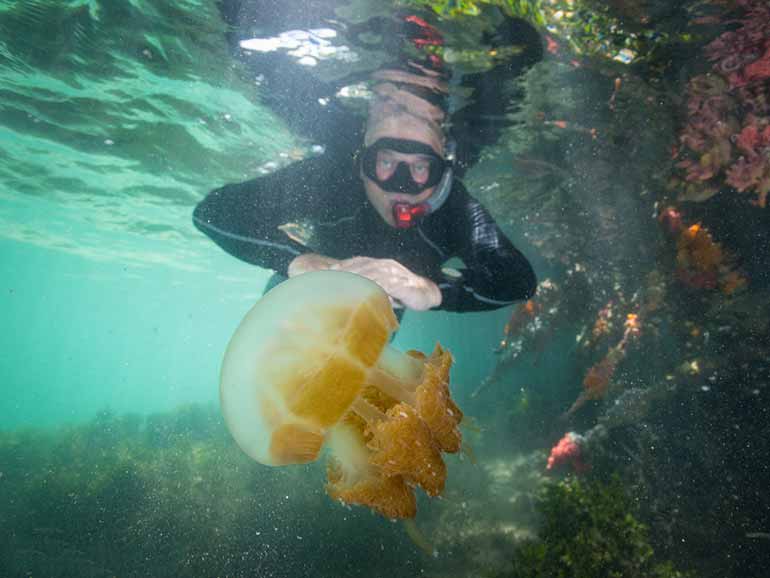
<point>412,290</point>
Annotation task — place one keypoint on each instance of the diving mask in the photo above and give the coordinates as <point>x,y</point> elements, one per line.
<point>393,174</point>
<point>382,164</point>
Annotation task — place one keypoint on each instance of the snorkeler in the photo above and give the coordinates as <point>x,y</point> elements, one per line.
<point>392,210</point>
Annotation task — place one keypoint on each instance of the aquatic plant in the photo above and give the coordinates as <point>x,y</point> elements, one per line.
<point>620,31</point>
<point>166,495</point>
<point>726,139</point>
<point>568,450</point>
<point>596,381</point>
<point>700,261</point>
<point>589,530</point>
<point>526,331</point>
<point>675,409</point>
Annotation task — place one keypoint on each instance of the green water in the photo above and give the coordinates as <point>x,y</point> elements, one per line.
<point>117,117</point>
<point>90,334</point>
<point>113,126</point>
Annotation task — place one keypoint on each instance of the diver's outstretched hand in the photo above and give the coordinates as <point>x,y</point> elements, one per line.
<point>412,290</point>
<point>402,285</point>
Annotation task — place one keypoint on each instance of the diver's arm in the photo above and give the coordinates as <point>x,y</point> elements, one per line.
<point>496,274</point>
<point>243,219</point>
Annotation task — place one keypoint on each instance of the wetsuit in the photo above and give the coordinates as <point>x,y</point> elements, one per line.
<point>325,198</point>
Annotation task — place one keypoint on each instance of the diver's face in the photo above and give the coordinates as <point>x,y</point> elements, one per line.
<point>404,155</point>
<point>396,177</point>
<point>384,201</point>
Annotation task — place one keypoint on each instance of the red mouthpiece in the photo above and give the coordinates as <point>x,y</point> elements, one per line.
<point>406,215</point>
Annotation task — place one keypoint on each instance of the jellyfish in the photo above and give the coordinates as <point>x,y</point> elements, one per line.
<point>310,367</point>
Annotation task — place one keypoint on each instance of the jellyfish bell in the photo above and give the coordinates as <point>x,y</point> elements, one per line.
<point>310,367</point>
<point>289,372</point>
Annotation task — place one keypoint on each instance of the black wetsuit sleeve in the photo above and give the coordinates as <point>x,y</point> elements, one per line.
<point>243,218</point>
<point>496,274</point>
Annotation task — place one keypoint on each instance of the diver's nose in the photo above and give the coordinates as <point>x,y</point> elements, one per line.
<point>402,177</point>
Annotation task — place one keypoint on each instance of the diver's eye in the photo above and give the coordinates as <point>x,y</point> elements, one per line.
<point>420,171</point>
<point>385,166</point>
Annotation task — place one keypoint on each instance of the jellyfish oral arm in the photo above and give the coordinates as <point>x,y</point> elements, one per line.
<point>397,375</point>
<point>368,412</point>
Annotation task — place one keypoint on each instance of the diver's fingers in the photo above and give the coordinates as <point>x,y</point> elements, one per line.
<point>361,262</point>
<point>394,282</point>
<point>372,273</point>
<point>383,268</point>
<point>385,272</point>
<point>402,286</point>
<point>353,265</point>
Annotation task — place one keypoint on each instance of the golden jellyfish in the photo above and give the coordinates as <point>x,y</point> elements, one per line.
<point>310,367</point>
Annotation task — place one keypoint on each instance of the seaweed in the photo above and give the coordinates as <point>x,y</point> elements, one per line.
<point>589,530</point>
